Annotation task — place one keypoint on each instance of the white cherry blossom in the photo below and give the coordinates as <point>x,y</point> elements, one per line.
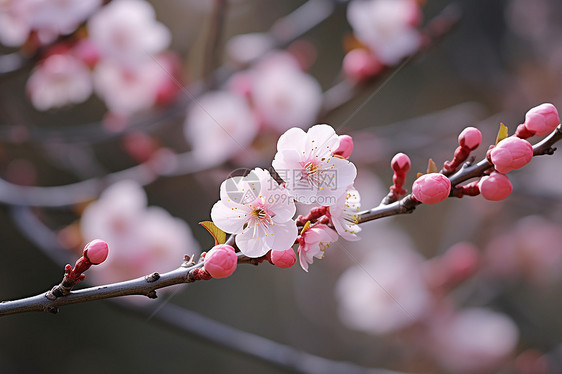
<point>473,340</point>
<point>259,211</point>
<point>59,80</point>
<point>344,214</point>
<point>283,95</point>
<point>387,27</point>
<point>127,31</point>
<point>51,18</point>
<point>128,89</point>
<point>219,125</point>
<point>306,163</point>
<point>14,22</point>
<point>385,293</point>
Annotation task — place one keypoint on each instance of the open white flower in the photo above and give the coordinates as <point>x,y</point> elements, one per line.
<point>398,298</point>
<point>59,80</point>
<point>259,211</point>
<point>127,31</point>
<point>306,163</point>
<point>219,125</point>
<point>344,214</point>
<point>387,27</point>
<point>283,95</point>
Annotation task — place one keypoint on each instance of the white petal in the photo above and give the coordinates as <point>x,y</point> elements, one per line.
<point>284,235</point>
<point>237,191</point>
<point>303,260</point>
<point>255,241</point>
<point>346,229</point>
<point>230,219</point>
<point>292,139</point>
<point>321,139</point>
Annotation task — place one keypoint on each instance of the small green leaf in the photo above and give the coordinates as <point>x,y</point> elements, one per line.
<point>431,167</point>
<point>218,234</point>
<point>502,133</point>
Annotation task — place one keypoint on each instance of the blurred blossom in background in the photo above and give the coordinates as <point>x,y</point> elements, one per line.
<point>124,88</point>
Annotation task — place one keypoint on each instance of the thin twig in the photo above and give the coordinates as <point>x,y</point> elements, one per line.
<point>194,324</point>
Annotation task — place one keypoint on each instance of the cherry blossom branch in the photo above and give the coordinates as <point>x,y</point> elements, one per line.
<point>408,204</point>
<point>183,320</point>
<point>190,272</point>
<point>145,286</point>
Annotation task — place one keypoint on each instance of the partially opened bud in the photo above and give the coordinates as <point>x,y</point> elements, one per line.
<point>346,146</point>
<point>96,251</point>
<point>284,259</point>
<point>221,261</point>
<point>495,187</point>
<point>431,188</point>
<point>470,137</point>
<point>511,154</point>
<point>542,120</point>
<point>400,162</point>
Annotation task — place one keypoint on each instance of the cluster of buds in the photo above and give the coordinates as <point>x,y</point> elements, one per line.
<point>509,153</point>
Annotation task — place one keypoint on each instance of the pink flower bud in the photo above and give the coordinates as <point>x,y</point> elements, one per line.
<point>400,162</point>
<point>96,251</point>
<point>431,188</point>
<point>284,259</point>
<point>221,261</point>
<point>510,154</point>
<point>346,146</point>
<point>359,65</point>
<point>495,187</point>
<point>470,137</point>
<point>542,120</point>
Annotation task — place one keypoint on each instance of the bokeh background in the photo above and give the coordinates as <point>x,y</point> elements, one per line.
<point>502,58</point>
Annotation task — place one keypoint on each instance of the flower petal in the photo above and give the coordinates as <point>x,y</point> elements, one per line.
<point>284,235</point>
<point>292,139</point>
<point>321,139</point>
<point>255,241</point>
<point>229,219</point>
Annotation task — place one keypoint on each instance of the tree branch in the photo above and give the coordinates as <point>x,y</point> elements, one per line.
<point>407,204</point>
<point>188,272</point>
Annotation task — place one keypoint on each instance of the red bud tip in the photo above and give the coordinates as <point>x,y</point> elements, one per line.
<point>400,162</point>
<point>96,251</point>
<point>470,137</point>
